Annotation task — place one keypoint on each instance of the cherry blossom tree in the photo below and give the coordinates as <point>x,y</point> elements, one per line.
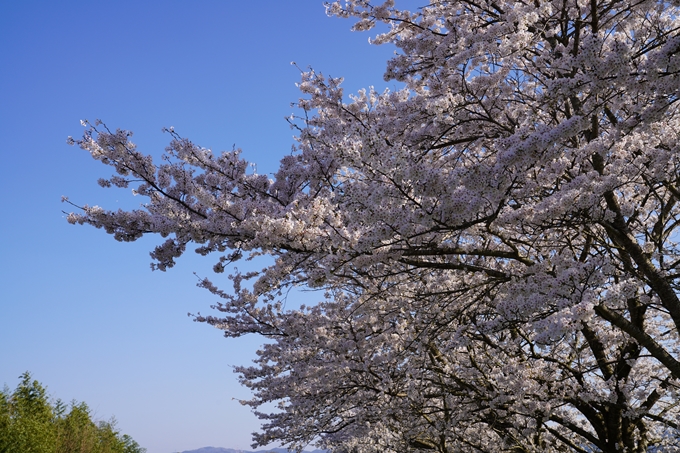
<point>494,245</point>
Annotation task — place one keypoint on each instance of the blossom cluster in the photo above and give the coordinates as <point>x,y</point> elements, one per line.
<point>495,242</point>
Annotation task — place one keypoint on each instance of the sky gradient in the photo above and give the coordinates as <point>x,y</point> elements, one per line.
<point>83,313</point>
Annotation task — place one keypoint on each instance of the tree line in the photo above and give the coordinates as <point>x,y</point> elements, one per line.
<point>31,423</point>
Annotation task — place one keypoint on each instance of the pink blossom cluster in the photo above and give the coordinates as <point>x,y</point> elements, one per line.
<point>495,243</point>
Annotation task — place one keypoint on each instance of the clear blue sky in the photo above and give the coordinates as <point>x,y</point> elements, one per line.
<point>84,313</point>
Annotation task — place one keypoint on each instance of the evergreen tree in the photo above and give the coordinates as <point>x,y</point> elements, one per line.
<point>30,423</point>
<point>27,419</point>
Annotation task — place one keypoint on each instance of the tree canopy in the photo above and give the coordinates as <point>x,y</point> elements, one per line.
<point>495,244</point>
<point>31,423</point>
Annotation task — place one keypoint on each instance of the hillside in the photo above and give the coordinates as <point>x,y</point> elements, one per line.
<point>231,450</point>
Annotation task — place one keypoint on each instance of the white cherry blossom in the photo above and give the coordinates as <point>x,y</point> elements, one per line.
<point>495,242</point>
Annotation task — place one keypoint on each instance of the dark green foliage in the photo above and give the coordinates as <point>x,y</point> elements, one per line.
<point>30,423</point>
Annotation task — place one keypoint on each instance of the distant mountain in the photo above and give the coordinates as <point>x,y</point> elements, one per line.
<point>231,450</point>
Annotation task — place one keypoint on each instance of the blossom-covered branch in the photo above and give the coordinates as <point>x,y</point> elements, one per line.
<point>495,241</point>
